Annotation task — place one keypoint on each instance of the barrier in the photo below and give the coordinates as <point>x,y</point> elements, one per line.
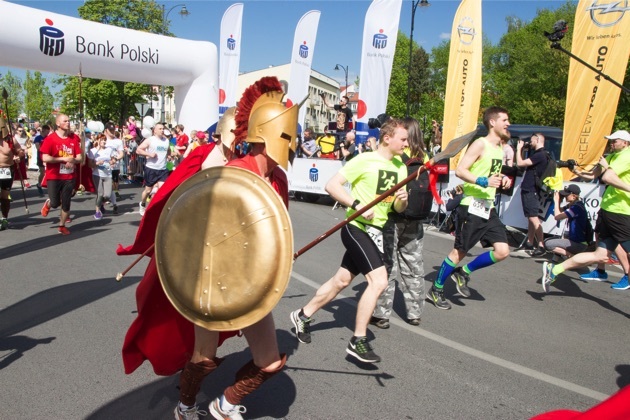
<point>311,176</point>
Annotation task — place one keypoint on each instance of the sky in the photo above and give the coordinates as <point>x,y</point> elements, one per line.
<point>269,26</point>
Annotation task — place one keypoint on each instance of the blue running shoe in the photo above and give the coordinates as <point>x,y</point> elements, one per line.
<point>595,275</point>
<point>548,276</point>
<point>622,284</point>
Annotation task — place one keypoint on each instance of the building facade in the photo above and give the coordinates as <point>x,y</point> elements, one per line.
<point>317,114</point>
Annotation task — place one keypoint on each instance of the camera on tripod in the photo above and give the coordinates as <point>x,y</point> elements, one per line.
<point>559,31</point>
<point>378,121</point>
<point>571,164</point>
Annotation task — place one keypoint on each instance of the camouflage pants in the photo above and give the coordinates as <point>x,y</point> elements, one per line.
<point>402,240</point>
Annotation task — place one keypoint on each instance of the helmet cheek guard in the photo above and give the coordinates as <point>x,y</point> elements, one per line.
<point>273,124</point>
<point>225,128</point>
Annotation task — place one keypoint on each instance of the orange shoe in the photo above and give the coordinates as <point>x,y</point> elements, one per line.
<point>46,208</point>
<point>63,230</point>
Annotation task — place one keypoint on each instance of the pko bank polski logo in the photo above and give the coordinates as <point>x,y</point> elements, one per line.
<point>313,174</point>
<point>605,15</point>
<point>466,31</point>
<point>379,40</point>
<point>231,43</point>
<point>51,40</point>
<point>303,50</point>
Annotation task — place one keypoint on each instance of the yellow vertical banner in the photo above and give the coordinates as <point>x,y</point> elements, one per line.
<point>463,83</point>
<point>601,38</point>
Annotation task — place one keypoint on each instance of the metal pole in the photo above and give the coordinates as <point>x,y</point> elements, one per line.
<point>414,5</point>
<point>162,87</point>
<point>183,12</point>
<point>557,46</point>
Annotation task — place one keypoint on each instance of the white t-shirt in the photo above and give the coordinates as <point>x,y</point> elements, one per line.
<point>117,146</point>
<point>104,170</point>
<point>159,146</point>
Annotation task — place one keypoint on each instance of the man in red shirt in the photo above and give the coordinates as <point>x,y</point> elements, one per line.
<point>182,139</point>
<point>61,152</point>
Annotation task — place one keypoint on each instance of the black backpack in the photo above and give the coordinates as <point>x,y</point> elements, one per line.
<point>420,198</point>
<point>589,234</point>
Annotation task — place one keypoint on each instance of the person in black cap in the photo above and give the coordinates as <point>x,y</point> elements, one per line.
<point>580,232</point>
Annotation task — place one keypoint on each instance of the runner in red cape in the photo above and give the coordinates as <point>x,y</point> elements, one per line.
<point>163,336</point>
<point>160,334</point>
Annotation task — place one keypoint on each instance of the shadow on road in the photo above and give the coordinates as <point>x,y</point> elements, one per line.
<point>157,400</point>
<point>47,305</point>
<point>624,375</point>
<point>79,231</point>
<point>568,287</point>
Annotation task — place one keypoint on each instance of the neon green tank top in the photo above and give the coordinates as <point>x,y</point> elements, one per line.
<point>489,163</point>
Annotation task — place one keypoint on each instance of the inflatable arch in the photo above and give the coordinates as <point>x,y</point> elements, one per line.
<point>49,42</point>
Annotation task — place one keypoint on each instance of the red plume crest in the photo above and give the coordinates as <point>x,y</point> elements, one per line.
<point>251,94</point>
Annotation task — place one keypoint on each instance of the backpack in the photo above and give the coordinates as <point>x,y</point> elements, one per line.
<point>420,198</point>
<point>589,234</point>
<point>548,180</point>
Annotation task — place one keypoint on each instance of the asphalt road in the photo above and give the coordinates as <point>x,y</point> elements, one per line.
<point>508,352</point>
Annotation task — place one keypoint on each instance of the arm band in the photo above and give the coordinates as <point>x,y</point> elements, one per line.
<point>355,204</point>
<point>482,181</point>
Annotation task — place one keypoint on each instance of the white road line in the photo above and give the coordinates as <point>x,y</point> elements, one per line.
<point>472,352</point>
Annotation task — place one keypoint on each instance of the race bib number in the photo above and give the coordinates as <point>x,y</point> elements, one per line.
<point>64,170</point>
<point>5,173</point>
<point>376,235</point>
<point>480,207</point>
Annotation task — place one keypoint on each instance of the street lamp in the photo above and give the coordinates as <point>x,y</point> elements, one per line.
<point>414,6</point>
<point>183,12</point>
<point>345,70</point>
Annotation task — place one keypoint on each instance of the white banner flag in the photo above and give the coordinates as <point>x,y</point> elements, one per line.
<point>377,57</point>
<point>230,56</point>
<point>301,60</point>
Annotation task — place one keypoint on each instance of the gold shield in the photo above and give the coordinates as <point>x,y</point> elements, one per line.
<point>223,248</point>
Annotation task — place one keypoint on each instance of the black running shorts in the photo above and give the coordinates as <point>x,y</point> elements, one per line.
<point>471,229</point>
<point>613,229</point>
<point>362,255</point>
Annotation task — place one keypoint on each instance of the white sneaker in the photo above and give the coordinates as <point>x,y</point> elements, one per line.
<point>142,209</point>
<point>192,414</point>
<point>233,414</point>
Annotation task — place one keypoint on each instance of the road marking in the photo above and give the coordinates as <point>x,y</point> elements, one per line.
<point>470,351</point>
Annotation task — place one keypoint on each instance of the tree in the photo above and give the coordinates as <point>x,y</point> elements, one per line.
<point>525,75</point>
<point>106,100</point>
<point>13,85</point>
<point>419,83</point>
<point>38,101</point>
<point>622,118</point>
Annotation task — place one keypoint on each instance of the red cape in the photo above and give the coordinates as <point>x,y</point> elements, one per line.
<point>160,334</point>
<point>85,178</point>
<point>617,407</point>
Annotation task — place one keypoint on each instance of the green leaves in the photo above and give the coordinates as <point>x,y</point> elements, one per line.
<point>107,100</point>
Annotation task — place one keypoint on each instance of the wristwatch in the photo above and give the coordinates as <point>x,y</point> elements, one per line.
<point>355,204</point>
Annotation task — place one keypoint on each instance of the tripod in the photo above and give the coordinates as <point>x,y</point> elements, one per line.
<point>435,220</point>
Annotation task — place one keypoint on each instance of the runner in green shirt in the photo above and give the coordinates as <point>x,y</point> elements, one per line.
<point>370,175</point>
<point>613,224</point>
<point>477,219</point>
